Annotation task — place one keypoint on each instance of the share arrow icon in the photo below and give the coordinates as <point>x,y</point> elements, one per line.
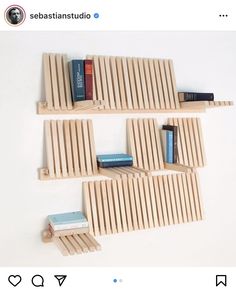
<point>60,279</point>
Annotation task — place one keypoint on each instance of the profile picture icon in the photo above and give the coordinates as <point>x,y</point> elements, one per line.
<point>14,15</point>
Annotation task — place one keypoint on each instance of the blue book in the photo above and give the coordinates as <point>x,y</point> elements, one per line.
<point>77,79</point>
<point>68,220</point>
<point>167,145</point>
<point>114,160</point>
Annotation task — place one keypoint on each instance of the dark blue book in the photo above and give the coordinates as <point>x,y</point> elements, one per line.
<point>77,79</point>
<point>167,144</point>
<point>114,160</point>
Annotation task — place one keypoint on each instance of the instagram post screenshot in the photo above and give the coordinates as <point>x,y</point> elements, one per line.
<point>118,144</point>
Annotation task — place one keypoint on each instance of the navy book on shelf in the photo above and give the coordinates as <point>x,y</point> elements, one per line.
<point>77,79</point>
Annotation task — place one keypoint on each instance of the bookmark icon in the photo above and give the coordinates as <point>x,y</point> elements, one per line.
<point>60,279</point>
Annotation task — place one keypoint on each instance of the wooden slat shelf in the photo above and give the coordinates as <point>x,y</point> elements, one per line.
<point>121,85</point>
<point>129,204</point>
<point>120,172</point>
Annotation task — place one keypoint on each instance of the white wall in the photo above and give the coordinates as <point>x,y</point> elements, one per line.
<point>203,62</point>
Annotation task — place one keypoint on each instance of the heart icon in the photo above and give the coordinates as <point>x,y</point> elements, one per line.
<point>14,280</point>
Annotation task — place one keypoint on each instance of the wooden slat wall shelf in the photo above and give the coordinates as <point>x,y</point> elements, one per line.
<point>70,149</point>
<point>128,204</point>
<point>190,143</point>
<point>121,172</point>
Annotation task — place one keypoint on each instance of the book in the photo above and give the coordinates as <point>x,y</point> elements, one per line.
<point>195,96</point>
<point>77,79</point>
<point>167,145</point>
<point>173,128</point>
<point>114,160</point>
<point>88,79</point>
<point>66,221</point>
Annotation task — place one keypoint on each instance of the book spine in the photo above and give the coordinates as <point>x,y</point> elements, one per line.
<point>173,128</point>
<point>77,80</point>
<point>195,96</point>
<point>169,147</point>
<point>115,164</point>
<point>69,226</point>
<point>88,79</point>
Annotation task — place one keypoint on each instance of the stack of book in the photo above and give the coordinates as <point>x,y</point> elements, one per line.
<point>81,76</point>
<point>169,134</point>
<point>68,224</point>
<point>114,160</point>
<point>195,96</point>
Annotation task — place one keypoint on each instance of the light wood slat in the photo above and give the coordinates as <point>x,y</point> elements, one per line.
<point>131,141</point>
<point>156,164</point>
<point>97,77</point>
<point>182,197</point>
<point>199,195</point>
<point>62,148</point>
<point>182,142</point>
<point>88,209</point>
<point>93,241</point>
<point>148,143</point>
<point>115,82</point>
<point>138,204</point>
<point>61,87</point>
<point>164,84</point>
<point>68,148</point>
<point>74,244</point>
<point>49,149</point>
<point>132,83</point>
<point>47,81</point>
<point>68,245</point>
<point>158,144</point>
<point>163,200</point>
<point>192,142</point>
<point>127,83</point>
<point>174,89</point>
<point>109,83</point>
<point>122,206</point>
<point>188,144</point>
<point>187,199</point>
<point>104,81</point>
<point>168,200</point>
<point>60,245</point>
<point>105,207</point>
<point>143,202</point>
<point>127,203</point>
<point>88,243</point>
<point>92,146</point>
<point>81,243</point>
<point>177,199</point>
<point>100,209</point>
<point>55,92</point>
<point>201,141</point>
<point>121,82</point>
<point>56,149</point>
<point>132,204</point>
<point>191,199</point>
<point>81,147</point>
<point>154,84</point>
<point>74,148</point>
<point>86,147</point>
<point>116,205</point>
<point>138,83</point>
<point>195,197</point>
<point>111,206</point>
<point>94,208</point>
<point>159,84</point>
<point>169,83</point>
<point>149,84</point>
<point>138,156</point>
<point>172,199</point>
<point>143,144</point>
<point>143,83</point>
<point>148,202</point>
<point>153,202</point>
<point>158,201</point>
<point>65,67</point>
<point>197,143</point>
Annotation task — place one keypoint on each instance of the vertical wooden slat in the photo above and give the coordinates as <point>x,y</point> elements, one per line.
<point>153,144</point>
<point>121,82</point>
<point>163,200</point>
<point>116,205</point>
<point>88,208</point>
<point>169,83</point>
<point>177,199</point>
<point>148,143</point>
<point>182,140</point>
<point>86,147</point>
<point>81,147</point>
<point>94,208</point>
<point>68,148</point>
<point>67,82</point>
<point>127,203</point>
<point>131,141</point>
<point>186,196</point>
<point>62,148</point>
<point>176,99</point>
<point>172,199</point>
<point>143,144</point>
<point>47,81</point>
<point>197,142</point>
<point>191,199</point>
<point>111,206</point>
<point>164,84</point>
<point>143,202</point>
<point>195,197</point>
<point>62,96</point>
<point>137,144</point>
<point>192,142</point>
<point>74,148</point>
<point>188,144</point>
<point>132,203</point>
<point>104,81</point>
<point>159,84</point>
<point>132,83</point>
<point>137,202</point>
<point>55,92</point>
<point>92,146</point>
<point>138,84</point>
<point>105,207</point>
<point>158,201</point>
<point>115,82</point>
<point>49,148</point>
<point>56,149</point>
<point>182,198</point>
<point>168,200</point>
<point>201,141</point>
<point>60,245</point>
<point>149,84</point>
<point>158,144</point>
<point>143,83</point>
<point>127,83</point>
<point>199,195</point>
<point>154,85</point>
<point>122,205</point>
<point>97,76</point>
<point>109,83</point>
<point>153,202</point>
<point>74,244</point>
<point>148,202</point>
<point>100,209</point>
<point>88,243</point>
<point>82,244</point>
